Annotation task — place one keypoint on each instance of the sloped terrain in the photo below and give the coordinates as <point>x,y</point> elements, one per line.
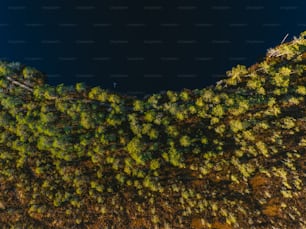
<point>227,156</point>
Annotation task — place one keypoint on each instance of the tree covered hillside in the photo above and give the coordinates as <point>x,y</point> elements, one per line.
<point>231,155</point>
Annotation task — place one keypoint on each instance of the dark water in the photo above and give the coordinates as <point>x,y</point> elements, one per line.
<point>144,46</point>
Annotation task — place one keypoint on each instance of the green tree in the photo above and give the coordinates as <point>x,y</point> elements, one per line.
<point>11,102</point>
<point>173,97</point>
<point>185,141</point>
<point>138,105</point>
<point>134,148</point>
<point>44,143</point>
<point>301,90</point>
<point>207,95</point>
<point>33,75</point>
<point>4,83</point>
<point>4,69</point>
<point>235,74</point>
<point>153,134</point>
<point>80,87</point>
<point>47,117</point>
<point>38,93</point>
<point>113,98</point>
<point>218,111</point>
<point>95,92</point>
<point>50,92</point>
<point>184,95</point>
<point>149,116</point>
<point>236,125</point>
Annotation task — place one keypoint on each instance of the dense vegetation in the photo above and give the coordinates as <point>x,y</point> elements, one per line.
<point>226,156</point>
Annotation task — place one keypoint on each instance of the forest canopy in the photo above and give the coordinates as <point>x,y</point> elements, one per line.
<point>231,155</point>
